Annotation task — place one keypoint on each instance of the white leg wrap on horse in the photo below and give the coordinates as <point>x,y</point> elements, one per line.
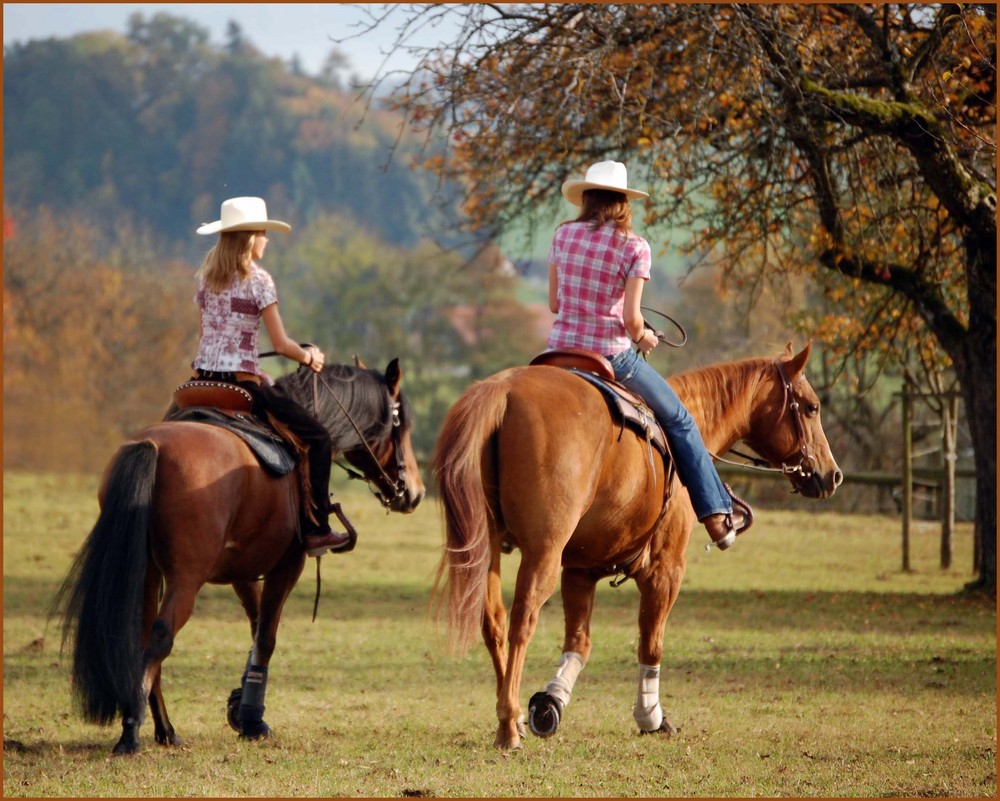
<point>561,687</point>
<point>648,713</point>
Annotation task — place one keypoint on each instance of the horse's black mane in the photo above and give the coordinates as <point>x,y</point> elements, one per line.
<point>363,393</point>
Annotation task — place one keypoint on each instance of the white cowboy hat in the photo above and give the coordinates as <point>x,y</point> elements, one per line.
<point>610,175</point>
<point>244,214</point>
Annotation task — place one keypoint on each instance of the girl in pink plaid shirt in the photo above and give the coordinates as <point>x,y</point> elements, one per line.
<point>597,270</point>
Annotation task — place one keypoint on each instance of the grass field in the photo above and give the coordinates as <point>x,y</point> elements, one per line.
<point>801,663</point>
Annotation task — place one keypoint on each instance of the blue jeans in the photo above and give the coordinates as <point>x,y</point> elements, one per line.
<point>694,463</point>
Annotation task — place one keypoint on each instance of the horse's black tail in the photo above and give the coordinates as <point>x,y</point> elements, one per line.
<point>102,595</point>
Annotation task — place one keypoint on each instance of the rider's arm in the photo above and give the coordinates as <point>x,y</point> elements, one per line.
<point>635,326</point>
<point>311,356</point>
<point>553,290</point>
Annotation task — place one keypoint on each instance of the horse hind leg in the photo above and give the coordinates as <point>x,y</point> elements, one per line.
<point>133,715</point>
<point>163,730</point>
<point>495,620</point>
<point>545,709</point>
<point>178,603</point>
<point>160,643</point>
<point>536,580</point>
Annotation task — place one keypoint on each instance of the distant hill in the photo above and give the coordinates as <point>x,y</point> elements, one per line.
<point>159,126</point>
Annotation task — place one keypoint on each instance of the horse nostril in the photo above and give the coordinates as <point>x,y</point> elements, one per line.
<point>838,478</point>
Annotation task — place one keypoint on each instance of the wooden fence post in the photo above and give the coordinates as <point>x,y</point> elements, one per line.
<point>949,453</point>
<point>907,474</point>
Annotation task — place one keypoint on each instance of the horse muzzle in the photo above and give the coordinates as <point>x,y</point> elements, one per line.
<point>818,485</point>
<point>404,498</point>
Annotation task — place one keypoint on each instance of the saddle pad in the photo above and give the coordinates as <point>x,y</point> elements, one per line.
<point>274,453</point>
<point>629,410</point>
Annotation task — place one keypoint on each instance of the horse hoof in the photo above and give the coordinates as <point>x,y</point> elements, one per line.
<point>169,738</point>
<point>507,743</point>
<point>544,714</point>
<point>255,730</point>
<point>665,728</point>
<point>233,708</point>
<point>123,748</point>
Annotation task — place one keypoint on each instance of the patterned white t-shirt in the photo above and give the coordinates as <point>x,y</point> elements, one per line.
<point>230,322</point>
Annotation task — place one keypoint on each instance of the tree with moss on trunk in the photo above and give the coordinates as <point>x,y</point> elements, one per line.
<point>853,143</point>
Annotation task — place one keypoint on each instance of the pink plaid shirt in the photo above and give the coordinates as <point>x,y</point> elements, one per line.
<point>591,267</point>
<point>230,322</point>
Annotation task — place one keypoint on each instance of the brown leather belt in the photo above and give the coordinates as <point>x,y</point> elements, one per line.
<point>223,375</point>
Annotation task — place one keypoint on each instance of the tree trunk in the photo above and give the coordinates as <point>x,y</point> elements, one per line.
<point>977,370</point>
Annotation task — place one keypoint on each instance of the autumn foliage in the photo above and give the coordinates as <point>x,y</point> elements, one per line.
<point>853,144</point>
<point>96,335</point>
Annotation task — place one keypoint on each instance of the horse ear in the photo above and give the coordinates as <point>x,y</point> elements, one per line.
<point>796,364</point>
<point>358,363</point>
<point>393,375</point>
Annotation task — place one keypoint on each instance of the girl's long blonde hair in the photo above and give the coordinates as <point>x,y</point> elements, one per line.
<point>229,259</point>
<point>602,206</point>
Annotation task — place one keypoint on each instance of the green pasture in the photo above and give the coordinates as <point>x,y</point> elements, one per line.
<point>801,663</point>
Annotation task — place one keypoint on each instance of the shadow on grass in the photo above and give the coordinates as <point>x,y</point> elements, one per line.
<point>719,609</point>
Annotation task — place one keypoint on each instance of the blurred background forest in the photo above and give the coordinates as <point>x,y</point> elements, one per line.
<point>117,146</point>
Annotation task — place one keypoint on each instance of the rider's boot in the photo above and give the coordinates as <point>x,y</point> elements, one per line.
<point>318,538</point>
<point>723,528</point>
<point>322,539</point>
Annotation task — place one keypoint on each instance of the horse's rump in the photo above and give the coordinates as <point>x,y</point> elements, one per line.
<point>215,499</point>
<point>508,448</point>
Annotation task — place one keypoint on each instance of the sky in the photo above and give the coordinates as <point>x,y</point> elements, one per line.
<point>276,29</point>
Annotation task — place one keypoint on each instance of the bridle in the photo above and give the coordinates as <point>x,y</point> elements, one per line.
<point>397,486</point>
<point>805,468</point>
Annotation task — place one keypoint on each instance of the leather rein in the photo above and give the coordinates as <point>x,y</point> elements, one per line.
<point>398,485</point>
<point>806,464</point>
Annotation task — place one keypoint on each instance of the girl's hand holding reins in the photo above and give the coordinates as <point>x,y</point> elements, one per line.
<point>314,359</point>
<point>647,341</point>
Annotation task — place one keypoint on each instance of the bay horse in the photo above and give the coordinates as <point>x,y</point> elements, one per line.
<point>184,504</point>
<point>531,458</point>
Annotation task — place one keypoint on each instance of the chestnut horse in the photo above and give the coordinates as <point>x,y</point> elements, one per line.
<point>184,504</point>
<point>531,458</point>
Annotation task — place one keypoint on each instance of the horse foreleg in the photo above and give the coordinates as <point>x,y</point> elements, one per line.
<point>658,590</point>
<point>277,587</point>
<point>535,583</point>
<point>546,708</point>
<point>249,594</point>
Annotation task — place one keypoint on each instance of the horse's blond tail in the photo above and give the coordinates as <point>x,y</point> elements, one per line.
<point>465,439</point>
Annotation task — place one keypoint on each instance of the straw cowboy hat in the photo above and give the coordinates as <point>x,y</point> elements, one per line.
<point>244,214</point>
<point>610,175</point>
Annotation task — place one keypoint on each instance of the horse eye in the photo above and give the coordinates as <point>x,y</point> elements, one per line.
<point>812,409</point>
